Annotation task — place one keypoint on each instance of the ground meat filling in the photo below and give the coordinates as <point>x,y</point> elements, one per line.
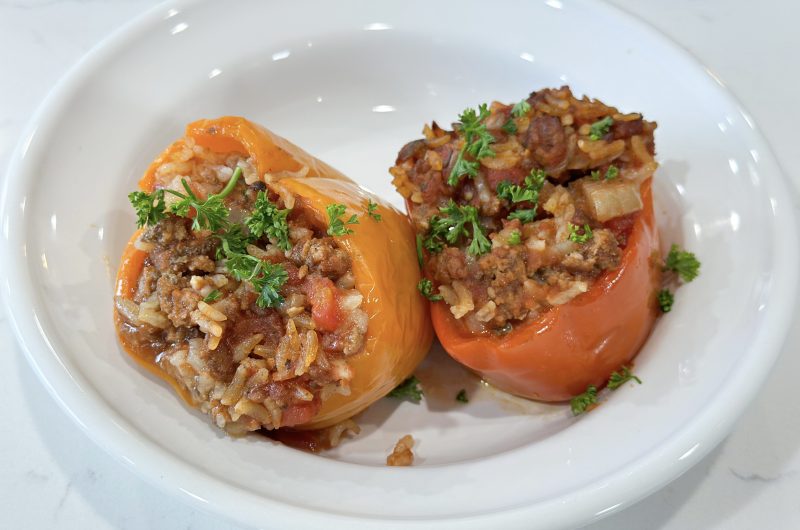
<point>248,367</point>
<point>594,159</point>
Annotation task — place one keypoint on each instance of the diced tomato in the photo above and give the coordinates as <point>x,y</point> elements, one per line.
<point>323,295</point>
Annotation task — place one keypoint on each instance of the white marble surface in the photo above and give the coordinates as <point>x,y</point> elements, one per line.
<point>52,475</point>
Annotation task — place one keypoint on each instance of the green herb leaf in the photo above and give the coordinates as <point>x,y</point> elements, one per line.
<point>420,258</point>
<point>580,238</point>
<point>595,175</point>
<point>267,219</point>
<point>461,397</point>
<point>580,403</point>
<point>212,296</point>
<point>453,225</point>
<point>665,300</point>
<point>266,278</point>
<point>617,379</point>
<point>408,389</point>
<point>612,172</point>
<point>684,263</point>
<point>336,226</point>
<point>514,238</point>
<point>528,192</point>
<point>510,126</point>
<point>477,143</point>
<point>232,241</point>
<point>210,214</point>
<point>149,207</point>
<point>600,128</point>
<point>425,286</point>
<point>372,209</point>
<point>521,108</point>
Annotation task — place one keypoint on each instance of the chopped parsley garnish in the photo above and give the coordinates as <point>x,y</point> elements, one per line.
<point>528,192</point>
<point>408,389</point>
<point>617,379</point>
<point>267,219</point>
<point>514,238</point>
<point>461,397</point>
<point>612,172</point>
<point>372,208</point>
<point>420,258</point>
<point>232,241</point>
<point>336,226</point>
<point>425,286</point>
<point>580,238</point>
<point>149,207</point>
<point>682,262</point>
<point>600,128</point>
<point>521,108</point>
<point>595,175</point>
<point>212,296</point>
<point>452,225</point>
<point>477,141</point>
<point>210,214</point>
<point>665,300</point>
<point>510,126</point>
<point>580,403</point>
<point>265,277</point>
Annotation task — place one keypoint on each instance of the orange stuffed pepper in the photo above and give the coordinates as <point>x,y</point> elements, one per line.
<point>266,287</point>
<point>536,232</point>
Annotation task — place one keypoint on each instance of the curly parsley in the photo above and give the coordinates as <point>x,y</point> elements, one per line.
<point>149,207</point>
<point>425,287</point>
<point>336,226</point>
<point>477,142</point>
<point>265,277</point>
<point>510,126</point>
<point>521,108</point>
<point>580,238</point>
<point>665,300</point>
<point>210,214</point>
<point>528,192</point>
<point>409,389</point>
<point>600,128</point>
<point>372,209</point>
<point>452,226</point>
<point>461,397</point>
<point>617,379</point>
<point>581,403</point>
<point>212,296</point>
<point>682,262</point>
<point>514,238</point>
<point>267,219</point>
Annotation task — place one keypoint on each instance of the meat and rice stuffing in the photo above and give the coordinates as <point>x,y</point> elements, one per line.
<point>520,208</point>
<point>245,323</point>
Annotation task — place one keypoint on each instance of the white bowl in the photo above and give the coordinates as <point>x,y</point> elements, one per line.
<point>351,82</point>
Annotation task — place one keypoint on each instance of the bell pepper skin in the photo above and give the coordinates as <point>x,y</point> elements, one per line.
<point>558,355</point>
<point>383,257</point>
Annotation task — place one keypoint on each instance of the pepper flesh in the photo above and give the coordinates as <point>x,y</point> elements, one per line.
<point>383,259</point>
<point>558,355</point>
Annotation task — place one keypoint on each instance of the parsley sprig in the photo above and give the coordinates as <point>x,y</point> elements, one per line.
<point>409,389</point>
<point>425,287</point>
<point>336,226</point>
<point>665,300</point>
<point>477,143</point>
<point>682,262</point>
<point>150,207</point>
<point>372,211</point>
<point>528,192</point>
<point>265,277</point>
<point>462,397</point>
<point>581,403</point>
<point>611,173</point>
<point>452,225</point>
<point>600,128</point>
<point>267,219</point>
<point>617,379</point>
<point>580,238</point>
<point>210,214</point>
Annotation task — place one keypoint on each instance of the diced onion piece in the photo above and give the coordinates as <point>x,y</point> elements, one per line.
<point>607,200</point>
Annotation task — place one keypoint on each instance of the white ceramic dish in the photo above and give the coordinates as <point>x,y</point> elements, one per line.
<point>351,82</point>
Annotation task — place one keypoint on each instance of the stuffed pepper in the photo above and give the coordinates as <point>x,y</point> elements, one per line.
<point>536,233</point>
<point>266,287</point>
